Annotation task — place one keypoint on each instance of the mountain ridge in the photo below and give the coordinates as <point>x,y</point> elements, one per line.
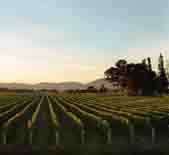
<point>59,86</point>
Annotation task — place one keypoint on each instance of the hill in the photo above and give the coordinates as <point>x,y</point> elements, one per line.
<point>99,82</point>
<point>59,86</point>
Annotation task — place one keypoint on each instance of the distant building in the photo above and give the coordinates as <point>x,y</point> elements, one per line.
<point>91,89</point>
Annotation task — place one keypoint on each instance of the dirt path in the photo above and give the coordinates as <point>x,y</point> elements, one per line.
<point>42,135</point>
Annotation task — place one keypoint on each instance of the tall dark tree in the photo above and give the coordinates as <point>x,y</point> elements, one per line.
<point>161,64</point>
<point>162,80</point>
<point>167,68</point>
<point>144,62</point>
<point>149,63</point>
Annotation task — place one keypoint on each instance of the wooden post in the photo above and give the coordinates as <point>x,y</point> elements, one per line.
<point>4,139</point>
<point>109,136</point>
<point>30,136</point>
<point>57,138</point>
<point>153,135</point>
<point>30,132</point>
<point>82,136</point>
<point>131,133</point>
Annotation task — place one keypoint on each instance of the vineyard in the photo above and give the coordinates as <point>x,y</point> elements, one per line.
<point>86,119</point>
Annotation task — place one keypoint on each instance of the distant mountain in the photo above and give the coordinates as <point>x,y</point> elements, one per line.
<point>59,86</point>
<point>16,86</point>
<point>99,82</point>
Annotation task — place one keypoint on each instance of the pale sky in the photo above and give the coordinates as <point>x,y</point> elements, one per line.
<point>76,40</point>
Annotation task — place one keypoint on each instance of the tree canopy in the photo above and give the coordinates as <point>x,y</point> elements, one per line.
<point>139,78</point>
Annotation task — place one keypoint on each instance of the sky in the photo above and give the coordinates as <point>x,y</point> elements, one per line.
<point>77,40</point>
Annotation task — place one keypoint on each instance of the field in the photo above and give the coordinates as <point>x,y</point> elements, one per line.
<point>86,120</point>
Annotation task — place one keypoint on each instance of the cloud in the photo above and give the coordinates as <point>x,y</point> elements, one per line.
<point>25,58</point>
<point>13,40</point>
<point>17,32</point>
<point>64,64</point>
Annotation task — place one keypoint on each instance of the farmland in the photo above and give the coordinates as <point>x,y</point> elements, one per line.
<point>44,119</point>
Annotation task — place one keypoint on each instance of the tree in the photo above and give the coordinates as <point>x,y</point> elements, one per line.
<point>112,74</point>
<point>162,79</point>
<point>167,68</point>
<point>161,64</point>
<point>144,62</point>
<point>139,78</point>
<point>121,65</point>
<point>149,63</point>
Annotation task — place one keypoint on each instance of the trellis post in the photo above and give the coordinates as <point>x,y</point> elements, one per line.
<point>4,138</point>
<point>30,136</point>
<point>109,136</point>
<point>57,137</point>
<point>131,133</point>
<point>153,135</point>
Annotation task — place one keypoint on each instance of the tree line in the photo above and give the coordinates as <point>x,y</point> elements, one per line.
<point>139,78</point>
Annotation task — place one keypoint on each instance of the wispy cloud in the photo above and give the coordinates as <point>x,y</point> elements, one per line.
<point>25,57</point>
